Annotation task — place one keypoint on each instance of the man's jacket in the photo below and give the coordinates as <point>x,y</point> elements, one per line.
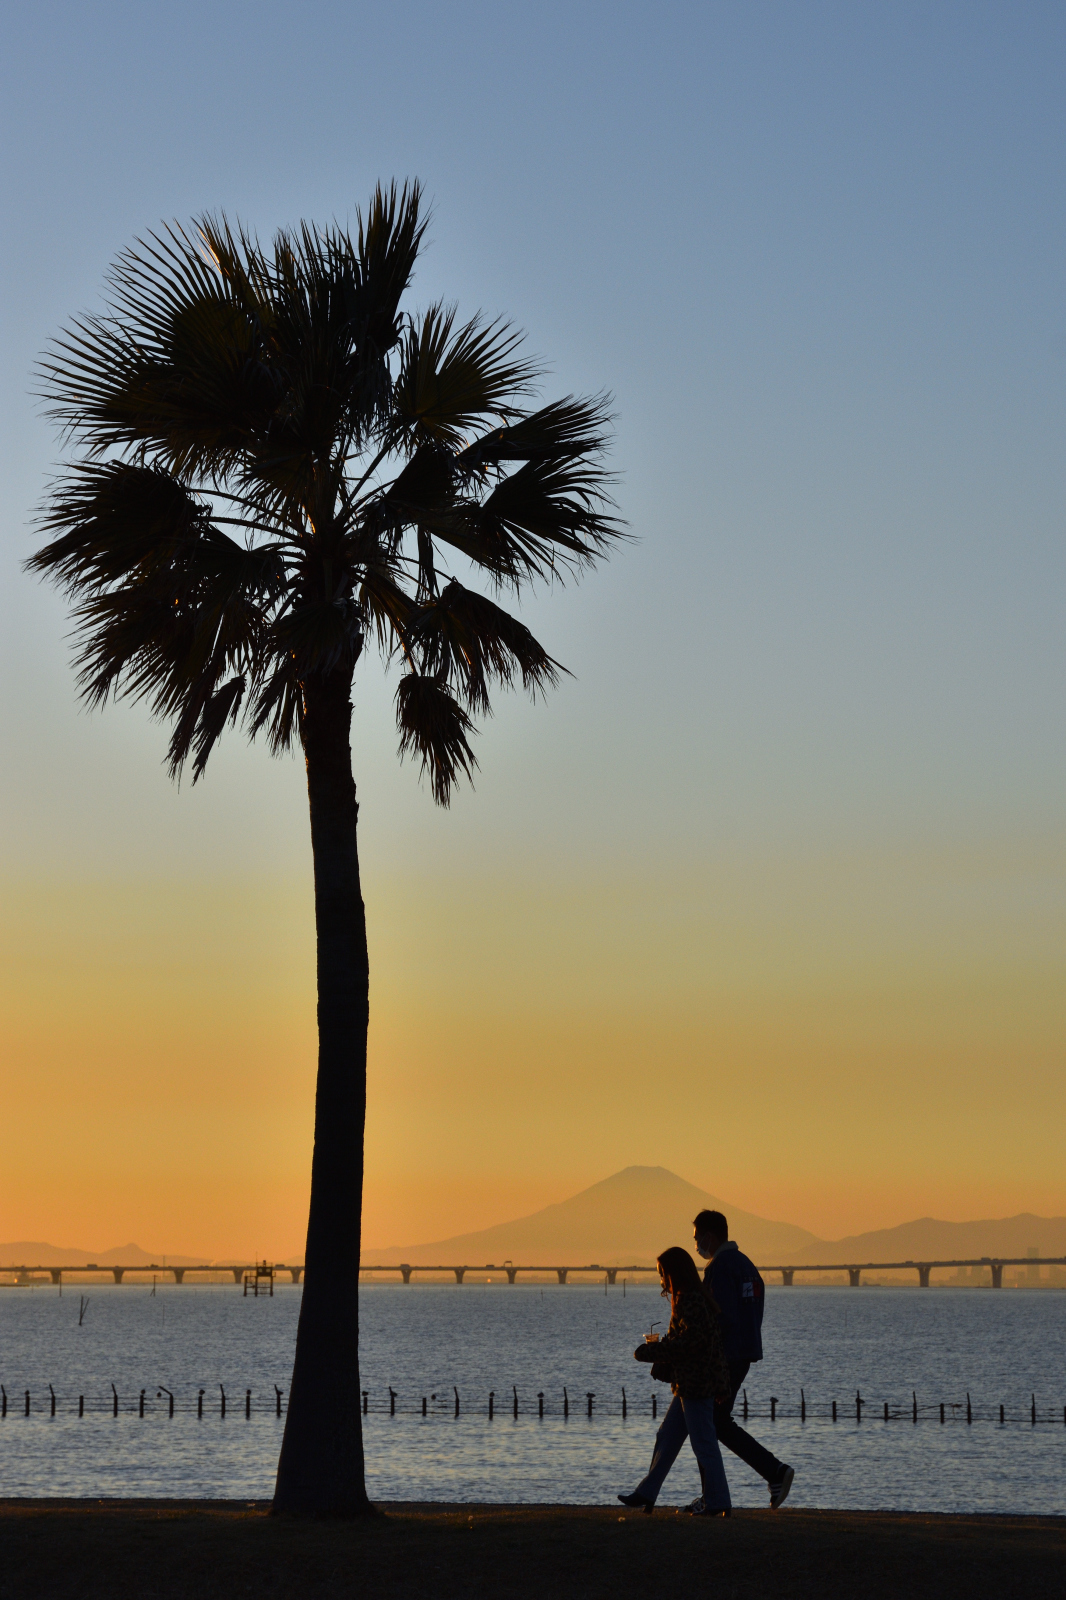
<point>740,1294</point>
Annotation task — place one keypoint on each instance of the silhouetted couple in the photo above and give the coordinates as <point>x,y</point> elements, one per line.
<point>715,1334</point>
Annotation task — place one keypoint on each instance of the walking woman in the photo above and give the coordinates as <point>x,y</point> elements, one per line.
<point>691,1357</point>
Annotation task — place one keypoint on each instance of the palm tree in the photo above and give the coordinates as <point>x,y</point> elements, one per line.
<point>273,468</point>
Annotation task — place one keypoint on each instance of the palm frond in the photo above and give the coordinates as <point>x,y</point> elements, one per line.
<point>387,607</point>
<point>566,430</point>
<point>433,725</point>
<point>278,707</point>
<point>464,639</point>
<point>544,520</point>
<point>451,379</point>
<point>111,519</point>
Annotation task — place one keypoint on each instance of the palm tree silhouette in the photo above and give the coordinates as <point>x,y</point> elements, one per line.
<point>273,468</point>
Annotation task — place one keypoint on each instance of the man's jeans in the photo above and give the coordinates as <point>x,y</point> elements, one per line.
<point>696,1419</point>
<point>673,1428</point>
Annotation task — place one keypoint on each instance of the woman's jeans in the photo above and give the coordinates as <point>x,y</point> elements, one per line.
<point>696,1418</point>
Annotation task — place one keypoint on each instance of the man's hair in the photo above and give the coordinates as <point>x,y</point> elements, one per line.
<point>711,1222</point>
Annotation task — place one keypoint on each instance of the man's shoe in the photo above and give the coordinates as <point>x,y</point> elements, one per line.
<point>637,1502</point>
<point>697,1508</point>
<point>709,1511</point>
<point>779,1490</point>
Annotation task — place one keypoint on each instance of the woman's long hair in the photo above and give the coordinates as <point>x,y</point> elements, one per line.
<point>679,1272</point>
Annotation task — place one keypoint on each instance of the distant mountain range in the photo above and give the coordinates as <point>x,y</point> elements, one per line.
<point>626,1221</point>
<point>630,1217</point>
<point>34,1253</point>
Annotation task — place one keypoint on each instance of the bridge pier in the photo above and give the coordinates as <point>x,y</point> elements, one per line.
<point>179,1273</point>
<point>787,1274</point>
<point>512,1273</point>
<point>561,1273</point>
<point>406,1272</point>
<point>117,1273</point>
<point>57,1274</point>
<point>997,1274</point>
<point>238,1273</point>
<point>612,1273</point>
<point>923,1274</point>
<point>460,1273</point>
<point>853,1276</point>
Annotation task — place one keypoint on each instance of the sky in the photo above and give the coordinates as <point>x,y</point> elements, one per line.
<point>771,892</point>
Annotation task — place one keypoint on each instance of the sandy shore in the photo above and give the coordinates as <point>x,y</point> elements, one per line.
<point>89,1550</point>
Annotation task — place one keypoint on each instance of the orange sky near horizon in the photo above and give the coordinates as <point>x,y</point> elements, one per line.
<point>843,1043</point>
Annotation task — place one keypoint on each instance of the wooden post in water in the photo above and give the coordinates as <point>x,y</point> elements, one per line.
<point>114,1409</point>
<point>247,1404</point>
<point>52,1392</point>
<point>199,1403</point>
<point>623,1402</point>
<point>456,1393</point>
<point>1033,1412</point>
<point>392,1401</point>
<point>941,1410</point>
<point>81,1405</point>
<point>277,1399</point>
<point>514,1391</point>
<point>492,1396</point>
<point>540,1402</point>
<point>566,1404</point>
<point>745,1405</point>
<point>834,1410</point>
<point>654,1406</point>
<point>914,1400</point>
<point>969,1412</point>
<point>223,1392</point>
<point>773,1408</point>
<point>803,1406</point>
<point>590,1397</point>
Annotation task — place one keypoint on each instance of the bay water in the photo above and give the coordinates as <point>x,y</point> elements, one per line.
<point>443,1343</point>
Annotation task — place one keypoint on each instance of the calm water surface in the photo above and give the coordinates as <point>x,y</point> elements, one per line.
<point>428,1340</point>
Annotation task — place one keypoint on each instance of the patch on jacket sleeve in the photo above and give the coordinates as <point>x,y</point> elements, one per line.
<point>747,1290</point>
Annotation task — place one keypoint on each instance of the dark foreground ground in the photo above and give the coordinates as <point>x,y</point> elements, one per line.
<point>155,1550</point>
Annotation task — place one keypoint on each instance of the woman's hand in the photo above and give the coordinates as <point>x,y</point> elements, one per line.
<point>644,1352</point>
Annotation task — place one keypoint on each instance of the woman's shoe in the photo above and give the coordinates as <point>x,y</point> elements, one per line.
<point>709,1511</point>
<point>637,1502</point>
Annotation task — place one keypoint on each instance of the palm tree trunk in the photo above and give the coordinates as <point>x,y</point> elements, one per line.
<point>320,1472</point>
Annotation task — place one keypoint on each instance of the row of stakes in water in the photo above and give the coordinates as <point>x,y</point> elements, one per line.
<point>948,1410</point>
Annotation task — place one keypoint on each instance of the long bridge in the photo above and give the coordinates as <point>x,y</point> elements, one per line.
<point>118,1273</point>
<point>854,1270</point>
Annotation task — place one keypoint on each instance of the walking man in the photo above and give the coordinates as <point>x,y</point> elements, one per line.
<point>739,1292</point>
